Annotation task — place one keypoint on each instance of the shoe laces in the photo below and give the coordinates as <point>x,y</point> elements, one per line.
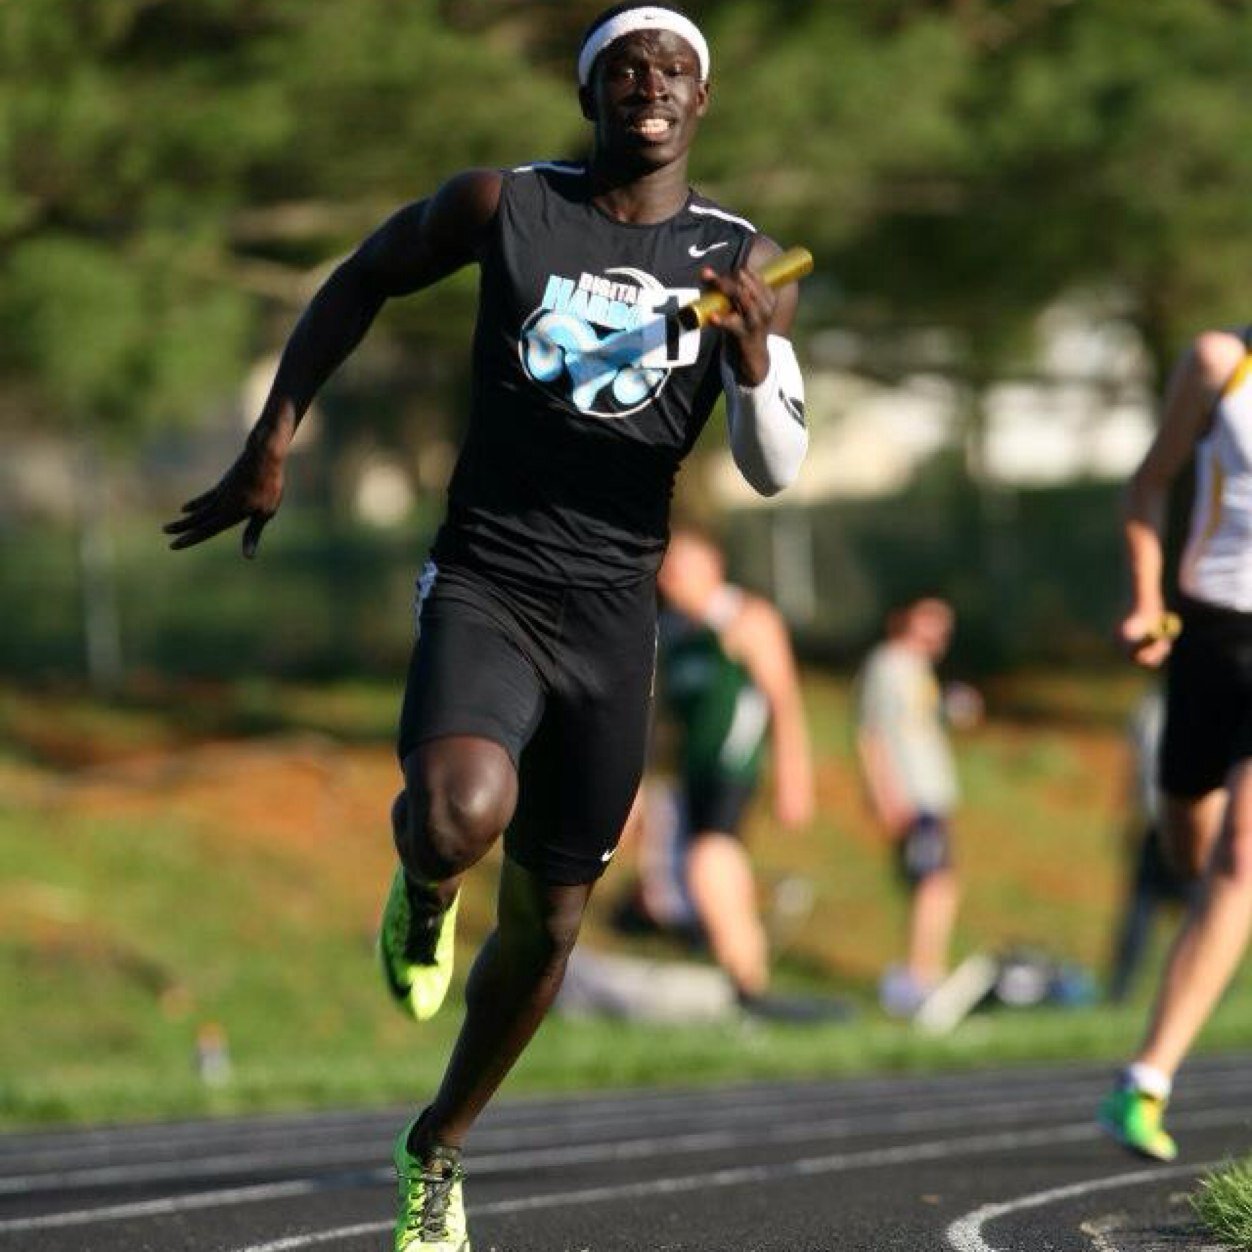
<point>428,1218</point>
<point>415,928</point>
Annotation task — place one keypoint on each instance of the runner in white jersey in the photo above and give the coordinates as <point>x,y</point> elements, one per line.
<point>1206,775</point>
<point>1217,564</point>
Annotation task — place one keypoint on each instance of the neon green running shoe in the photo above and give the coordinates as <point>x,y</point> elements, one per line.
<point>1134,1119</point>
<point>431,1217</point>
<point>415,948</point>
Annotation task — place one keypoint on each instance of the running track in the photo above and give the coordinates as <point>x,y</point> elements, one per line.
<point>965,1163</point>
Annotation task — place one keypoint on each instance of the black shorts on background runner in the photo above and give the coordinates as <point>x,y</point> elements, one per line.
<point>924,849</point>
<point>716,803</point>
<point>1208,699</point>
<point>562,680</point>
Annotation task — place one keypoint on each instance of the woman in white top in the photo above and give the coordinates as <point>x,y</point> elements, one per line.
<point>1205,776</point>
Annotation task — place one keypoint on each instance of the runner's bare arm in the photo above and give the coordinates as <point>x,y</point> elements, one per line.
<point>757,637</point>
<point>1194,388</point>
<point>416,247</point>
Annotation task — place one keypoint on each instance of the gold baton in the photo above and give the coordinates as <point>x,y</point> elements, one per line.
<point>1169,627</point>
<point>786,267</point>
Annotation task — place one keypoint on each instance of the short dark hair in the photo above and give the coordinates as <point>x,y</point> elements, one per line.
<point>910,599</point>
<point>902,607</point>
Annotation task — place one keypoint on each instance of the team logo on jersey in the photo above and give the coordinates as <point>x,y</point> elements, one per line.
<point>604,343</point>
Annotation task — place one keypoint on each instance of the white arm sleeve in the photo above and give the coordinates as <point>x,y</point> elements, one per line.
<point>768,436</point>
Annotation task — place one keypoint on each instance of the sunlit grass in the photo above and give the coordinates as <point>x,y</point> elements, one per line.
<point>1224,1203</point>
<point>173,864</point>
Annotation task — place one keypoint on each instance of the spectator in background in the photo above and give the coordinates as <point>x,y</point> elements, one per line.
<point>728,680</point>
<point>1152,881</point>
<point>910,776</point>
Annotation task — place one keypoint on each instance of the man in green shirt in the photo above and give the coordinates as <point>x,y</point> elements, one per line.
<point>728,679</point>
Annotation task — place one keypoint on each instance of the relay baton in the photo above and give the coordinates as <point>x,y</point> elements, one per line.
<point>786,267</point>
<point>596,365</point>
<point>1168,627</point>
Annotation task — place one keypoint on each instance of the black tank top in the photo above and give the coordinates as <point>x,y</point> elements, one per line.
<point>583,403</point>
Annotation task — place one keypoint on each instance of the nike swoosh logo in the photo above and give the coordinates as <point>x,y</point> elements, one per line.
<point>699,252</point>
<point>608,856</point>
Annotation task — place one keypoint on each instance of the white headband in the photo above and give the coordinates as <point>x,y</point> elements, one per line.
<point>645,17</point>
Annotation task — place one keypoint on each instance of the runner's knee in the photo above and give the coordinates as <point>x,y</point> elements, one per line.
<point>454,807</point>
<point>464,817</point>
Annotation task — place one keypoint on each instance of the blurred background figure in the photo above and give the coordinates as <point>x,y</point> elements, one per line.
<point>728,681</point>
<point>1151,882</point>
<point>910,778</point>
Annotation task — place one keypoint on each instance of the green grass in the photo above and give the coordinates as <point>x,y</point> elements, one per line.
<point>136,908</point>
<point>1224,1203</point>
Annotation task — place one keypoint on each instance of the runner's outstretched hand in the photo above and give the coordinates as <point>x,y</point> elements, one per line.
<point>250,490</point>
<point>1143,639</point>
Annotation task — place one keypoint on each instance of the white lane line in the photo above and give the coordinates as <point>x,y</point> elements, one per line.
<point>806,1167</point>
<point>214,1138</point>
<point>507,1118</point>
<point>367,1155</point>
<point>515,1124</point>
<point>731,1105</point>
<point>245,1195</point>
<point>628,1105</point>
<point>363,1149</point>
<point>204,1167</point>
<point>587,1154</point>
<point>965,1234</point>
<point>172,1204</point>
<point>325,1236</point>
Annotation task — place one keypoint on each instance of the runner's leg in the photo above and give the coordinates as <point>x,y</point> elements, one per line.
<point>1190,831</point>
<point>1213,938</point>
<point>723,890</point>
<point>511,987</point>
<point>932,916</point>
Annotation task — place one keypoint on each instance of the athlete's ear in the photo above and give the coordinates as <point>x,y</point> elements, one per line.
<point>703,91</point>
<point>587,102</point>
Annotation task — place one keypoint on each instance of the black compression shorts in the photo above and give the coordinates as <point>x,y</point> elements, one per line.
<point>1208,701</point>
<point>562,680</point>
<point>716,803</point>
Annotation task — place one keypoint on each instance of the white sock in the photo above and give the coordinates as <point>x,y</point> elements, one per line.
<point>1148,1079</point>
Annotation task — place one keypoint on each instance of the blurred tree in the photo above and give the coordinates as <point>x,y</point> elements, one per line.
<point>167,172</point>
<point>175,178</point>
<point>164,166</point>
<point>1106,147</point>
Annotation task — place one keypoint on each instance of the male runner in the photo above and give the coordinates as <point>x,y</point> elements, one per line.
<point>527,699</point>
<point>729,678</point>
<point>1205,771</point>
<point>910,777</point>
